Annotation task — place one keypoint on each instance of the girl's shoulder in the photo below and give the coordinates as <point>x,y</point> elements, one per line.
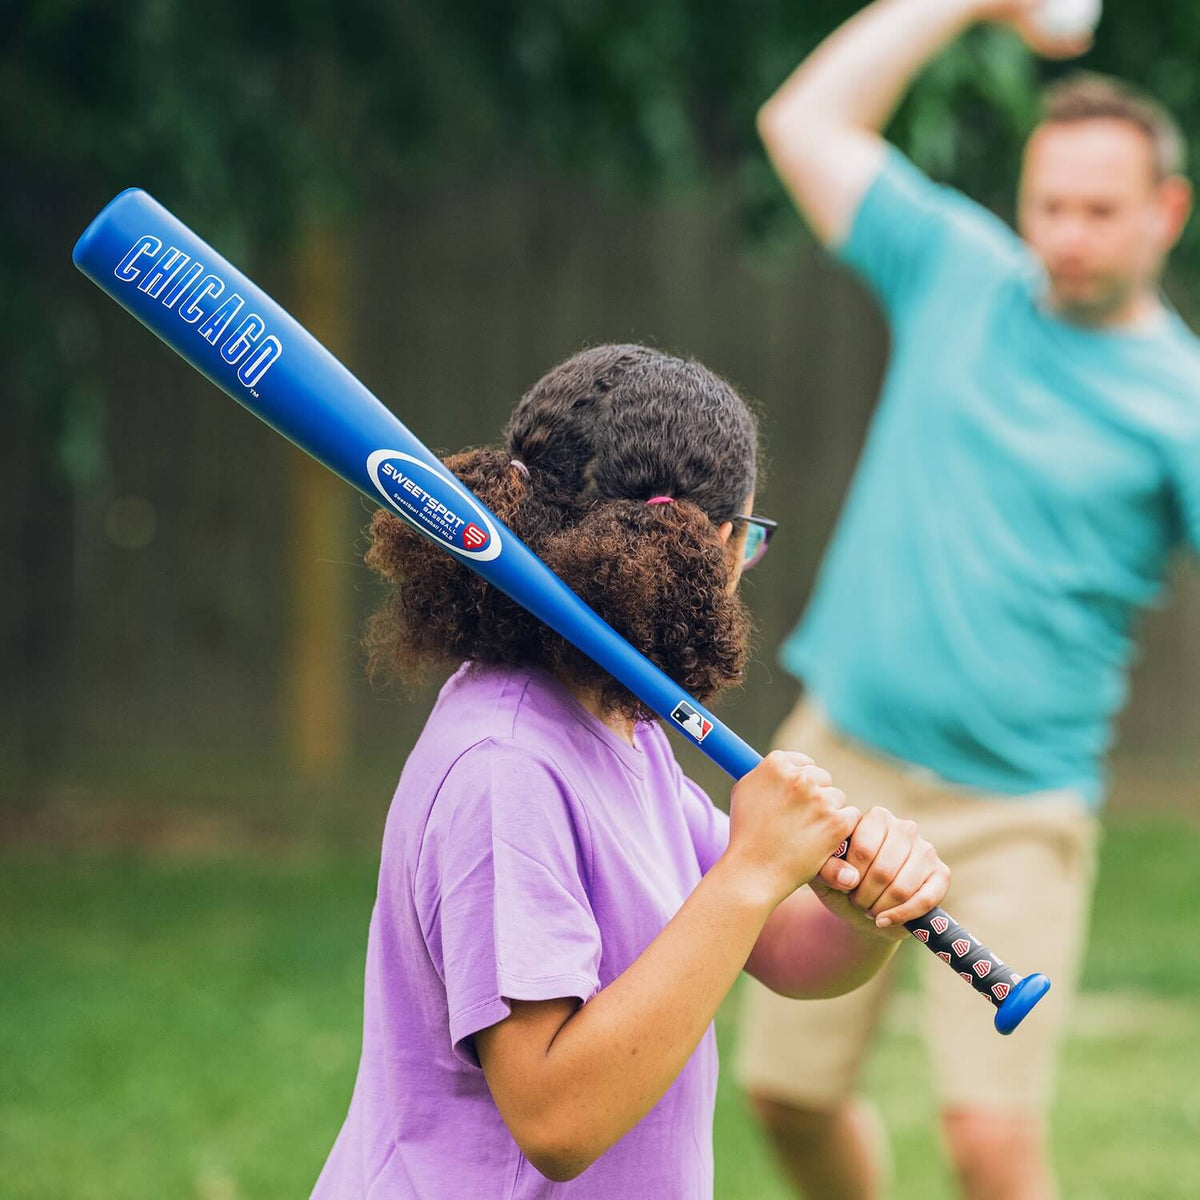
<point>496,736</point>
<point>521,708</point>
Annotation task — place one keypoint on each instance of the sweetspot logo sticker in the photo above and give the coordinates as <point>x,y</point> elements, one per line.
<point>434,504</point>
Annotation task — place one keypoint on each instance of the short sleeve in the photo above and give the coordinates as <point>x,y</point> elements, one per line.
<point>500,889</point>
<point>908,229</point>
<point>1186,472</point>
<point>707,824</point>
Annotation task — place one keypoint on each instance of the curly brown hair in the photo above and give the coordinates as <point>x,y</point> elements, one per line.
<point>593,440</point>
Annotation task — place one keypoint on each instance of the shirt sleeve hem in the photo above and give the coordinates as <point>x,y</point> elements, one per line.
<point>467,1022</point>
<point>855,245</point>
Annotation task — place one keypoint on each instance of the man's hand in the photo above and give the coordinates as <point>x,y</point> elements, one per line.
<point>900,876</point>
<point>1022,15</point>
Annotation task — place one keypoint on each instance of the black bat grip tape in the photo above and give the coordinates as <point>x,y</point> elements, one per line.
<point>982,969</point>
<point>1010,993</point>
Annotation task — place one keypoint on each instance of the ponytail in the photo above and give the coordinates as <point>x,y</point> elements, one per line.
<point>588,446</point>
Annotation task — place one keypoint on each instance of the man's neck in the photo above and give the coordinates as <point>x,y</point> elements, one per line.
<point>1140,312</point>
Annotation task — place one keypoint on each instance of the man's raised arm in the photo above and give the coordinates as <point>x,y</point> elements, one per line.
<point>822,128</point>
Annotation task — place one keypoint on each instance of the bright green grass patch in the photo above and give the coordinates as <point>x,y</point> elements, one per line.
<point>187,1028</point>
<point>176,1029</point>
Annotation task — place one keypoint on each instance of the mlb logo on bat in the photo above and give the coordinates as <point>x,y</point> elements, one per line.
<point>474,538</point>
<point>1000,990</point>
<point>943,956</point>
<point>967,976</point>
<point>690,721</point>
<point>922,935</point>
<point>940,924</point>
<point>982,967</point>
<point>960,946</point>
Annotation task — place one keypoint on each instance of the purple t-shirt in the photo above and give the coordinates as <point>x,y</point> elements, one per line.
<point>529,854</point>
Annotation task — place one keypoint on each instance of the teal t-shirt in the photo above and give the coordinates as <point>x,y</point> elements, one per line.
<point>1023,486</point>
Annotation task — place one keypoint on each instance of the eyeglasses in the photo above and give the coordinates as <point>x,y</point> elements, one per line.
<point>758,538</point>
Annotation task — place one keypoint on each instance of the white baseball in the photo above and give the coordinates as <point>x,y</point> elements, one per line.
<point>1067,18</point>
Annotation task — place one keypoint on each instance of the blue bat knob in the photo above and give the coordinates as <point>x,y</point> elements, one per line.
<point>1020,1002</point>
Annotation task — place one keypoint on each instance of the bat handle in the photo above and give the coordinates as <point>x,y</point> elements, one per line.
<point>1012,995</point>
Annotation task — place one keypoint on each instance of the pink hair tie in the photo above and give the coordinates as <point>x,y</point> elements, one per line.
<point>520,468</point>
<point>661,500</point>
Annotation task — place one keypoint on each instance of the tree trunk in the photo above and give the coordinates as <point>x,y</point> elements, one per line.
<point>320,644</point>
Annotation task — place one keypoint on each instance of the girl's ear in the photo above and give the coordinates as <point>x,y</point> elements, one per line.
<point>725,532</point>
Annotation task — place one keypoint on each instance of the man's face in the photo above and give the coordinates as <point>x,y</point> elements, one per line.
<point>1095,212</point>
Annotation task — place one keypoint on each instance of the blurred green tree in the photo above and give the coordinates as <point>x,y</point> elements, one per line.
<point>259,122</point>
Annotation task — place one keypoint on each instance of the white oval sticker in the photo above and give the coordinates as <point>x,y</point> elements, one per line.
<point>435,504</point>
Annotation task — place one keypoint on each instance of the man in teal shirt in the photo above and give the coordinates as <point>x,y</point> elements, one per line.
<point>1026,480</point>
<point>1033,466</point>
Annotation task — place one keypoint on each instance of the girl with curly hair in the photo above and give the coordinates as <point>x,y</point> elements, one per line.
<point>560,911</point>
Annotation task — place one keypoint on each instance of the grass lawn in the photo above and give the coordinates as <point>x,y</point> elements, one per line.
<point>187,1027</point>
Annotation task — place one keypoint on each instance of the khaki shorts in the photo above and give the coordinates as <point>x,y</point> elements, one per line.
<point>1022,881</point>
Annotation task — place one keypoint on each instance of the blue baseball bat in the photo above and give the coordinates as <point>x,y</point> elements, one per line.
<point>231,331</point>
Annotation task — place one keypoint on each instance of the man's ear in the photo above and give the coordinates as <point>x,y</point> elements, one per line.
<point>1175,204</point>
